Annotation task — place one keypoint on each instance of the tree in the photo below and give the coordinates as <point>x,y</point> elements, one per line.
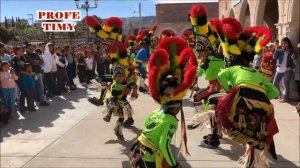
<point>79,32</point>
<point>6,35</point>
<point>13,22</point>
<point>6,24</point>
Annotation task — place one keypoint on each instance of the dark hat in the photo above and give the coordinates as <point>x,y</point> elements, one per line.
<point>203,44</point>
<point>119,69</point>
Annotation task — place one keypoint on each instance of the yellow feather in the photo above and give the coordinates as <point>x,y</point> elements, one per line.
<point>102,34</point>
<point>212,39</point>
<point>123,62</point>
<point>120,37</point>
<point>92,29</point>
<point>225,49</point>
<point>248,48</point>
<point>193,21</point>
<point>113,55</point>
<point>241,44</point>
<point>113,35</point>
<point>257,48</point>
<point>107,28</point>
<point>203,29</point>
<point>234,49</point>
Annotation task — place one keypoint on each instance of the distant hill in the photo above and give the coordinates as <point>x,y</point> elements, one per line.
<point>131,24</point>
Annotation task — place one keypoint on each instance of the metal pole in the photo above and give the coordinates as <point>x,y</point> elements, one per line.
<point>87,28</point>
<point>87,13</point>
<point>140,16</point>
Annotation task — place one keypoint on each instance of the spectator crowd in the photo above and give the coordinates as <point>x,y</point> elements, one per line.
<point>31,74</point>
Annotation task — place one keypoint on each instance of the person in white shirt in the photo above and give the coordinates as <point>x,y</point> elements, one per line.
<point>47,67</point>
<point>89,61</point>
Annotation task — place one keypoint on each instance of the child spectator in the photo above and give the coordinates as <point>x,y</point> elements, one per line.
<point>89,61</point>
<point>27,87</point>
<point>62,76</point>
<point>8,85</point>
<point>81,65</point>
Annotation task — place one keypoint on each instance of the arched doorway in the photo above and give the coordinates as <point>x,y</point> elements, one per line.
<point>245,14</point>
<point>231,13</point>
<point>269,10</point>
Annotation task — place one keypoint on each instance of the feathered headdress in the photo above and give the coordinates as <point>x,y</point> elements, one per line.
<point>172,68</point>
<point>188,36</point>
<point>112,28</point>
<point>130,41</point>
<point>205,34</point>
<point>118,55</point>
<point>243,44</point>
<point>144,36</point>
<point>167,33</point>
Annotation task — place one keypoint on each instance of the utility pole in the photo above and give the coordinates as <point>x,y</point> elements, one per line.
<point>140,15</point>
<point>86,6</point>
<point>30,17</point>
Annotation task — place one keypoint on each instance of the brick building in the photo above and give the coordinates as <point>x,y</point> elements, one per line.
<point>174,16</point>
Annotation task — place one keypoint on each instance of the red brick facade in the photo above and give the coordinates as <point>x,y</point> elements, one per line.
<point>175,16</point>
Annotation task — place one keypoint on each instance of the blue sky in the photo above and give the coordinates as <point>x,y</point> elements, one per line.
<point>106,8</point>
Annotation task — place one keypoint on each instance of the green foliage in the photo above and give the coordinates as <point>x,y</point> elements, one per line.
<point>6,23</point>
<point>13,22</point>
<point>5,35</point>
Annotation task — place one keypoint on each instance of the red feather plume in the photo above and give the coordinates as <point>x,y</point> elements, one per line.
<point>231,28</point>
<point>198,10</point>
<point>114,22</point>
<point>118,46</point>
<point>186,34</point>
<point>168,33</point>
<point>188,61</point>
<point>91,21</point>
<point>217,24</point>
<point>131,38</point>
<point>170,42</point>
<point>267,33</point>
<point>154,28</point>
<point>158,58</point>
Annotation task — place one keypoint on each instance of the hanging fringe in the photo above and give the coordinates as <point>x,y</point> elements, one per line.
<point>97,84</point>
<point>254,158</point>
<point>202,119</point>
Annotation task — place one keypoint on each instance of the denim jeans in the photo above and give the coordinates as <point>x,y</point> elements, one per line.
<point>9,97</point>
<point>49,84</point>
<point>39,88</point>
<point>287,77</point>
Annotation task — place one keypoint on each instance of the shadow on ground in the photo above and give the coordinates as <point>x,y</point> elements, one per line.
<point>44,116</point>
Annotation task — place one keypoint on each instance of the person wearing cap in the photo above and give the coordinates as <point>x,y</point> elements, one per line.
<point>172,69</point>
<point>117,101</point>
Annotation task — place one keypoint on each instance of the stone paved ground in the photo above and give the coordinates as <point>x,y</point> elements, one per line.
<point>71,133</point>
